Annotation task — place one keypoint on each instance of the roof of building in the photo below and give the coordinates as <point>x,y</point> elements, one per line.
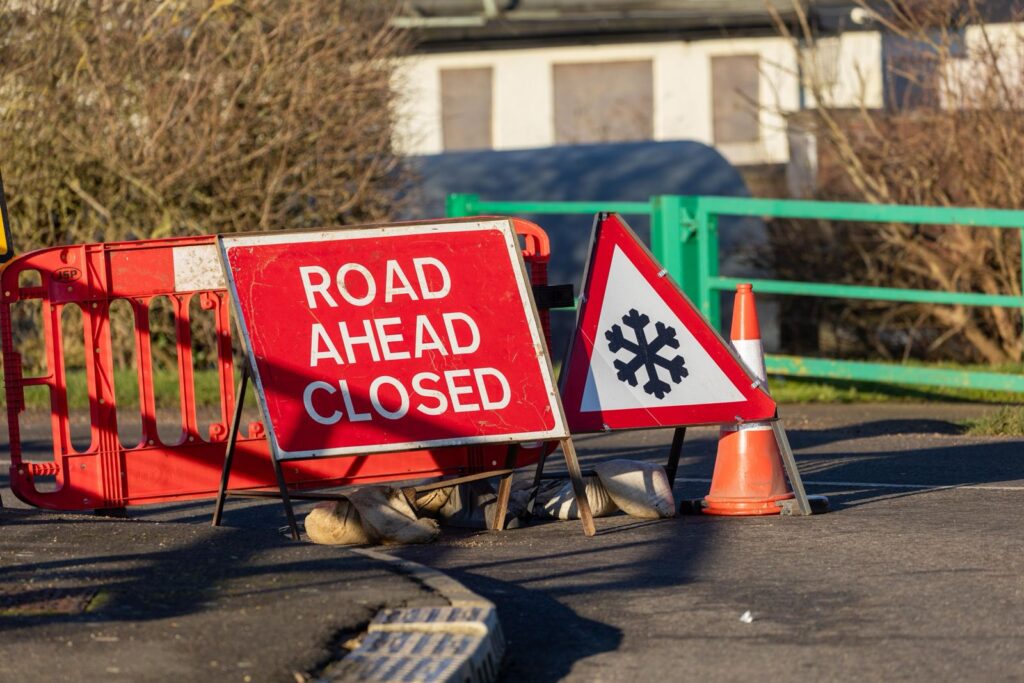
<point>469,24</point>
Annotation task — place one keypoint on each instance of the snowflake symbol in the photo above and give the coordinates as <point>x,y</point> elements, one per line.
<point>645,354</point>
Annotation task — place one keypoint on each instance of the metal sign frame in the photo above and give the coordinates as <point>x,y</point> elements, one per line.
<point>559,431</point>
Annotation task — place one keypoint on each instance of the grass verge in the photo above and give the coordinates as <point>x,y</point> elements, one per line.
<point>1007,421</point>
<point>807,390</point>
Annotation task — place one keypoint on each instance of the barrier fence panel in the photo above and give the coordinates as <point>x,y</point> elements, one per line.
<point>684,238</point>
<point>107,473</point>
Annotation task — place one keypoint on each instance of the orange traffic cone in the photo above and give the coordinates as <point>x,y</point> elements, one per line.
<point>749,478</point>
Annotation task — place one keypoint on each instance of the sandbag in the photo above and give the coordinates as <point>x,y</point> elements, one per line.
<point>555,500</point>
<point>372,514</point>
<point>431,502</point>
<point>640,489</point>
<point>388,517</point>
<point>473,505</point>
<point>336,523</point>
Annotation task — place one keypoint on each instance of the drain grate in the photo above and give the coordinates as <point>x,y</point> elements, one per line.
<point>44,601</point>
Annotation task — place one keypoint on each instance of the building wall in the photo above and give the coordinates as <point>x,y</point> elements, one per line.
<point>966,80</point>
<point>523,97</point>
<point>850,69</point>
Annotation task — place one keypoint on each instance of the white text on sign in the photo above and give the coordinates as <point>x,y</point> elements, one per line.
<point>393,338</point>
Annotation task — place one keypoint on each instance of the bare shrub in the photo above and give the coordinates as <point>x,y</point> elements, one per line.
<point>949,136</point>
<point>126,120</point>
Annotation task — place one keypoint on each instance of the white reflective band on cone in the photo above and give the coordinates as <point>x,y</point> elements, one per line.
<point>752,354</point>
<point>747,427</point>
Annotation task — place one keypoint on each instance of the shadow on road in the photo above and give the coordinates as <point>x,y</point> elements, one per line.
<point>534,586</point>
<point>182,579</point>
<point>540,629</point>
<point>535,580</point>
<point>534,577</point>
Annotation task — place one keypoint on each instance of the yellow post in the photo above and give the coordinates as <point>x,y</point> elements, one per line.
<point>6,243</point>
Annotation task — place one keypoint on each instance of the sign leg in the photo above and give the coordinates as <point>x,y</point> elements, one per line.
<point>285,499</point>
<point>504,490</point>
<point>789,461</point>
<point>229,454</point>
<point>538,474</point>
<point>673,455</point>
<point>578,488</point>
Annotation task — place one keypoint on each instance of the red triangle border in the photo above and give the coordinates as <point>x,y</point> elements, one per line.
<point>611,231</point>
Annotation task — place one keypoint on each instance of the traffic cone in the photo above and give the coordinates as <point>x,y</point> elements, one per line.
<point>749,477</point>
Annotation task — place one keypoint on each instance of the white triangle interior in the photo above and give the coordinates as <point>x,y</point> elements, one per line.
<point>705,383</point>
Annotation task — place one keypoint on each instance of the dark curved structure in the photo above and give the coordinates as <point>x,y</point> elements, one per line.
<point>606,172</point>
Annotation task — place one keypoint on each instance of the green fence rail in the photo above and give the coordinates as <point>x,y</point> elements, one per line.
<point>684,238</point>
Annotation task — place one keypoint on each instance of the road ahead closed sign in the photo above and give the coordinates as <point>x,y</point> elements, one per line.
<point>389,338</point>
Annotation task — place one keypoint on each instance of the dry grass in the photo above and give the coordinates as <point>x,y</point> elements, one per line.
<point>127,120</point>
<point>1007,421</point>
<point>949,138</point>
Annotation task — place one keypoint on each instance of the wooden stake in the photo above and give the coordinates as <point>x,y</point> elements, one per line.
<point>578,487</point>
<point>505,490</point>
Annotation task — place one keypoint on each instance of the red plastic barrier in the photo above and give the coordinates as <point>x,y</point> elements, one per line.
<point>109,474</point>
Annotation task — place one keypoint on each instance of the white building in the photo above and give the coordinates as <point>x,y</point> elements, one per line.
<point>491,74</point>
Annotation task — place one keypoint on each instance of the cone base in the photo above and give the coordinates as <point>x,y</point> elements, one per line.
<point>749,478</point>
<point>744,507</point>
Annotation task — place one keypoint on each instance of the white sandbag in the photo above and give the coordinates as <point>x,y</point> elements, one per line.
<point>432,501</point>
<point>555,500</point>
<point>387,516</point>
<point>336,523</point>
<point>641,489</point>
<point>472,505</point>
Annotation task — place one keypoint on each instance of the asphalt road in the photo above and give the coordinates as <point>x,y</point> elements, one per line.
<point>916,575</point>
<point>163,596</point>
<point>90,600</point>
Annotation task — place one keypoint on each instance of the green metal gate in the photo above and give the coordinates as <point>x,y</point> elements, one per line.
<point>684,238</point>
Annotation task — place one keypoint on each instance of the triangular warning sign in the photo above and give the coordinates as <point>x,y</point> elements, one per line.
<point>642,355</point>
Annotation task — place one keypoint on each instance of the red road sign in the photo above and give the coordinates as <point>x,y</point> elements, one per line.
<point>642,355</point>
<point>391,338</point>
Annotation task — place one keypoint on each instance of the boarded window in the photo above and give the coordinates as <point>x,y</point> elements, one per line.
<point>466,108</point>
<point>604,102</point>
<point>735,88</point>
<point>912,69</point>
